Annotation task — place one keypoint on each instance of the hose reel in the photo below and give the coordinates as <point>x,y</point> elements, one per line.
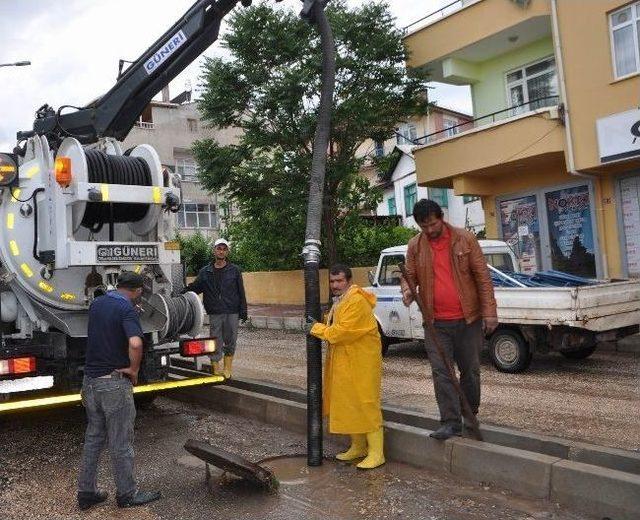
<point>183,314</point>
<point>139,167</point>
<point>115,169</point>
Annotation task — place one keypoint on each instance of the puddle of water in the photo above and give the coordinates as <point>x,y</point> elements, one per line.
<point>293,470</point>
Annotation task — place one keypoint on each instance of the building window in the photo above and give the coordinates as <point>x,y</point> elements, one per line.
<point>379,149</point>
<point>532,87</point>
<point>187,169</point>
<point>440,196</point>
<point>450,127</point>
<point>195,216</point>
<point>391,204</point>
<point>623,25</point>
<point>410,198</point>
<point>468,199</point>
<point>406,134</point>
<point>192,125</point>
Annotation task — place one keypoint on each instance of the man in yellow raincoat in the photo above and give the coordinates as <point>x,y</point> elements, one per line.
<point>353,369</point>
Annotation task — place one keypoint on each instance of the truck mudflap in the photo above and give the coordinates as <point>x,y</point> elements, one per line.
<point>68,399</point>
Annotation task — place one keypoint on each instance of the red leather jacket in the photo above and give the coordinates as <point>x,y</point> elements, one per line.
<point>470,272</point>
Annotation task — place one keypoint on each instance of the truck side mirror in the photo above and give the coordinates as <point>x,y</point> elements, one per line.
<point>372,278</point>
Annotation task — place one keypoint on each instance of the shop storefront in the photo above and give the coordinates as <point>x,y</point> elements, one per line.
<point>629,223</point>
<point>552,228</point>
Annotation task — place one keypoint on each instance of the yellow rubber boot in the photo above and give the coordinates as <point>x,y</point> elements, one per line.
<point>357,450</point>
<point>375,458</point>
<point>228,362</point>
<point>215,368</point>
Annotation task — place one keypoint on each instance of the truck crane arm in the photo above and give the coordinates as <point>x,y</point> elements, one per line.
<point>114,113</point>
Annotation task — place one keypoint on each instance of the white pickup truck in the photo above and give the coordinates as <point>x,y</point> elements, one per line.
<point>571,320</point>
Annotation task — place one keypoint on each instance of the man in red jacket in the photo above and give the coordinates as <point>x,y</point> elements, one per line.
<point>454,284</point>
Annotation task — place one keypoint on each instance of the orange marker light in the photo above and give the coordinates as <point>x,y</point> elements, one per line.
<point>63,171</point>
<point>8,169</point>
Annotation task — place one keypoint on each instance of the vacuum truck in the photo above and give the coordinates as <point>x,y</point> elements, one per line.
<point>77,210</point>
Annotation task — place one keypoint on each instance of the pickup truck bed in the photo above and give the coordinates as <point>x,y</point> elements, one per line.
<point>596,308</point>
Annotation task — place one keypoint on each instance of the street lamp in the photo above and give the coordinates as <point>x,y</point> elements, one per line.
<point>16,64</point>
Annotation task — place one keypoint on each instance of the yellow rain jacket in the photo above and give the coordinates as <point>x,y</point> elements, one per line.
<point>353,366</point>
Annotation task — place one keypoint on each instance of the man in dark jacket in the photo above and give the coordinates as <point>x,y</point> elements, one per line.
<point>449,269</point>
<point>224,300</point>
<point>113,357</point>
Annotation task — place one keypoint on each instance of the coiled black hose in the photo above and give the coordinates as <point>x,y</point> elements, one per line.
<point>115,169</point>
<point>181,316</point>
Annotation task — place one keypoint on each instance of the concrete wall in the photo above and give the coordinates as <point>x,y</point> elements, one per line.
<point>287,287</point>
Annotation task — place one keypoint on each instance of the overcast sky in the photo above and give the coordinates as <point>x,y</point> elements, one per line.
<point>74,47</point>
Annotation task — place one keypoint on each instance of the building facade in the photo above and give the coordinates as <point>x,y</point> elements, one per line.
<point>552,150</point>
<point>171,127</point>
<point>399,183</point>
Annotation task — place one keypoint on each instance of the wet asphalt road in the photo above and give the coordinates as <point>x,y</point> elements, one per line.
<point>596,400</point>
<point>40,454</point>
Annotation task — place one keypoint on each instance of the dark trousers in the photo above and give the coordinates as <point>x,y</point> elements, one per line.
<point>461,343</point>
<point>111,413</point>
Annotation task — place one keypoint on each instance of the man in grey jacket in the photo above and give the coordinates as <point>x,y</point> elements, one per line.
<point>220,283</point>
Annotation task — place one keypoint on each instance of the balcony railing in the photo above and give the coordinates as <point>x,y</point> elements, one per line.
<point>439,14</point>
<point>148,125</point>
<point>516,110</point>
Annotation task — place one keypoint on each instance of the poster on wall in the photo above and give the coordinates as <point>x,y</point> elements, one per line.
<point>630,202</point>
<point>570,231</point>
<point>521,230</point>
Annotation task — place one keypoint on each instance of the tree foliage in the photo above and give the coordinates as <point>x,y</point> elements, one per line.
<point>195,251</point>
<point>269,88</point>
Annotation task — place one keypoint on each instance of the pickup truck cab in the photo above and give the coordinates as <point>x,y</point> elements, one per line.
<point>571,320</point>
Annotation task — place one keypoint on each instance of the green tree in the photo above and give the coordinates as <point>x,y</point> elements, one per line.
<point>269,89</point>
<point>195,251</point>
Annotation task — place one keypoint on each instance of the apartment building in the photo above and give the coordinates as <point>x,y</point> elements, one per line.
<point>399,184</point>
<point>552,149</point>
<point>171,126</point>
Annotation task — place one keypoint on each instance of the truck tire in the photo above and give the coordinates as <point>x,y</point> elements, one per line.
<point>384,340</point>
<point>509,351</point>
<point>583,353</point>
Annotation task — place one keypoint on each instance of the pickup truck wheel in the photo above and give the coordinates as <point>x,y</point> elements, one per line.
<point>384,340</point>
<point>583,353</point>
<point>509,351</point>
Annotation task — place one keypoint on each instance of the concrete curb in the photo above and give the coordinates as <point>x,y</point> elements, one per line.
<point>583,487</point>
<point>274,322</point>
<point>601,492</point>
<point>612,458</point>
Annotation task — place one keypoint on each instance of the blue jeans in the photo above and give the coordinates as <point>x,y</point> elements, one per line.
<point>111,414</point>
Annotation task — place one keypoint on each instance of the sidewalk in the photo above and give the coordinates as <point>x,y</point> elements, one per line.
<point>283,317</point>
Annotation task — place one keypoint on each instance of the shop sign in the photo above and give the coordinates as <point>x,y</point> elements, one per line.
<point>619,136</point>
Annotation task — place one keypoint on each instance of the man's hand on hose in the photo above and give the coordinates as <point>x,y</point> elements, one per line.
<point>309,322</point>
<point>131,374</point>
<point>407,297</point>
<point>489,325</point>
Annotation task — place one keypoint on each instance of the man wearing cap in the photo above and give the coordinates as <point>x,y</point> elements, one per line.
<point>113,356</point>
<point>222,289</point>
